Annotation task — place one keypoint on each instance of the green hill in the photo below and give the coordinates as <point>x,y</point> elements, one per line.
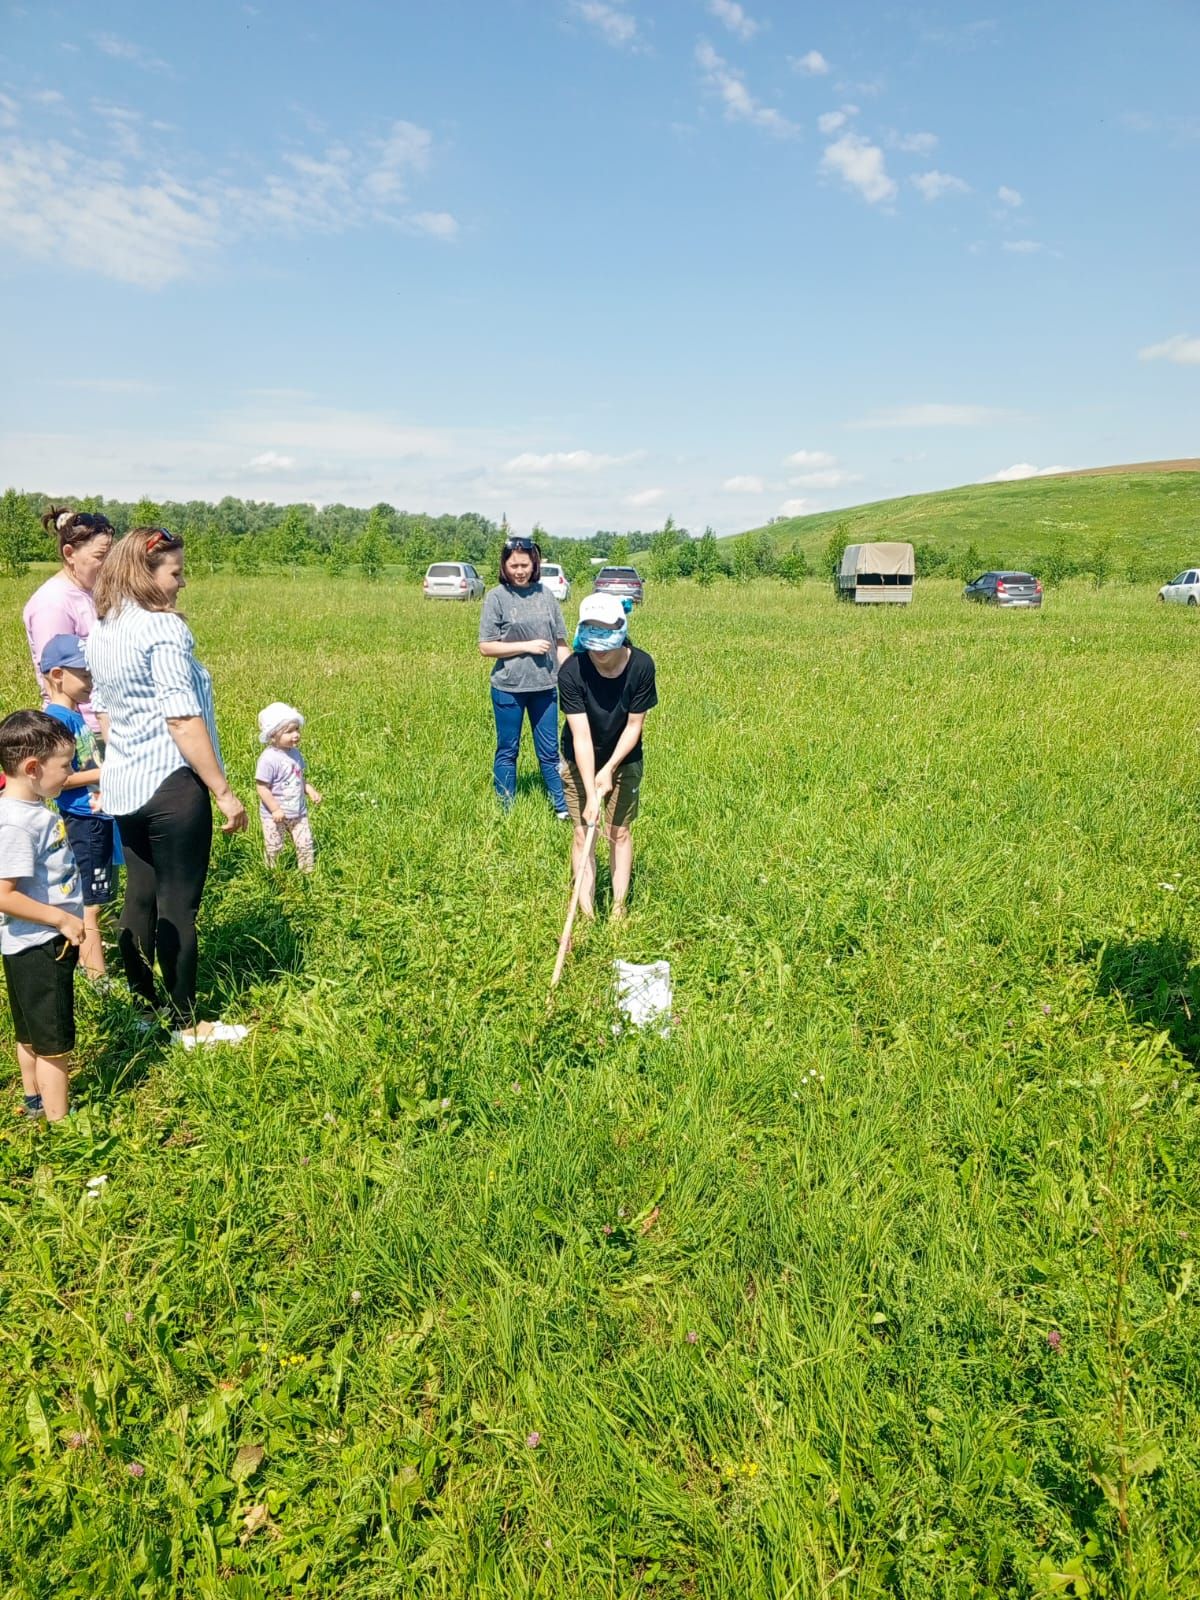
<point>1145,515</point>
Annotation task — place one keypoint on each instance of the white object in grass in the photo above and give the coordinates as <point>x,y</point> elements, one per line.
<point>644,994</point>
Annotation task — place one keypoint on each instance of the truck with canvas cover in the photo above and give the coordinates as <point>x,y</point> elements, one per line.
<point>871,574</point>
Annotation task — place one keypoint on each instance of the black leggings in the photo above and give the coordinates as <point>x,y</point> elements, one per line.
<point>166,844</point>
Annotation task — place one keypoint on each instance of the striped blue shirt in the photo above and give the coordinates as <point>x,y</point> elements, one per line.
<point>144,670</point>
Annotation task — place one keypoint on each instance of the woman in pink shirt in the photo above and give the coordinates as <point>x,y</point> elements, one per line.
<point>64,602</point>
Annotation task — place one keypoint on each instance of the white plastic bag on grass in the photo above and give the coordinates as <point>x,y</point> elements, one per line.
<point>644,995</point>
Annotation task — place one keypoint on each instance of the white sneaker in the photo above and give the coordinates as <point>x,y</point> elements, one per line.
<point>218,1033</point>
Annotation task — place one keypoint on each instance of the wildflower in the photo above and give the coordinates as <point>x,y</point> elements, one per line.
<point>135,1469</point>
<point>620,1211</point>
<point>446,1103</point>
<point>692,1336</point>
<point>263,1349</point>
<point>304,1160</point>
<point>515,1087</point>
<point>129,1316</point>
<point>1054,1339</point>
<point>1047,1011</point>
<point>76,1442</point>
<point>606,1230</point>
<point>355,1297</point>
<point>533,1439</point>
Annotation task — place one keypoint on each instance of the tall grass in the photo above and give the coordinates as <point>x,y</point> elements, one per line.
<point>876,1278</point>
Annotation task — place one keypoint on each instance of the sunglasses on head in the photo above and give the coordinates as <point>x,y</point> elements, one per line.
<point>160,539</point>
<point>521,544</point>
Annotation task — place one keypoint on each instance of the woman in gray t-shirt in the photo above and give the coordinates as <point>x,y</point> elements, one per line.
<point>522,631</point>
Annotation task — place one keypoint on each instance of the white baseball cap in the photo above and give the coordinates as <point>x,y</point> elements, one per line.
<point>604,609</point>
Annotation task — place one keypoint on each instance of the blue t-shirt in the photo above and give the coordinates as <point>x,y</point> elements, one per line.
<point>74,802</point>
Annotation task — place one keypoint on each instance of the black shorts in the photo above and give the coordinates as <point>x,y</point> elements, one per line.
<point>41,992</point>
<point>91,841</point>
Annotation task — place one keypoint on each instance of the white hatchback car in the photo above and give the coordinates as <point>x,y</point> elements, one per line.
<point>555,581</point>
<point>453,580</point>
<point>1184,590</point>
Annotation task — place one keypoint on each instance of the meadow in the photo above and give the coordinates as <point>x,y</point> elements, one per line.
<point>876,1278</point>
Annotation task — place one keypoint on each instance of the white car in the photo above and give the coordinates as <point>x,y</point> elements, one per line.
<point>555,581</point>
<point>453,580</point>
<point>1185,589</point>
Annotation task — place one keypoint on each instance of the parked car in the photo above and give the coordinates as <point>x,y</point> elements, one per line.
<point>1184,590</point>
<point>555,581</point>
<point>453,580</point>
<point>1005,589</point>
<point>624,582</point>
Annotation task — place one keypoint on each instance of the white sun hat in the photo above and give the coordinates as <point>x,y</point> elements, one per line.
<point>604,609</point>
<point>275,716</point>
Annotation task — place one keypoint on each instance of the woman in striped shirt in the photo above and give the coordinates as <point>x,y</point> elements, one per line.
<point>163,759</point>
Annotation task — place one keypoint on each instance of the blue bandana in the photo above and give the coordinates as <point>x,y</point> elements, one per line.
<point>590,636</point>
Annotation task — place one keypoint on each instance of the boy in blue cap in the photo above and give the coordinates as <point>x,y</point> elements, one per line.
<point>90,833</point>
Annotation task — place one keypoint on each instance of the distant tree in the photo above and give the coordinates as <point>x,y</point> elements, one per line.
<point>1134,571</point>
<point>835,549</point>
<point>19,533</point>
<point>372,547</point>
<point>1057,566</point>
<point>743,558</point>
<point>793,567</point>
<point>338,558</point>
<point>1100,563</point>
<point>970,565</point>
<point>146,514</point>
<point>706,559</point>
<point>246,555</point>
<point>664,553</point>
<point>618,555</point>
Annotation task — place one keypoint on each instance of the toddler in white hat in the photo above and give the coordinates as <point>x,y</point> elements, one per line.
<point>284,791</point>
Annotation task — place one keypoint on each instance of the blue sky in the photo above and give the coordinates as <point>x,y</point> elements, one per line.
<point>591,262</point>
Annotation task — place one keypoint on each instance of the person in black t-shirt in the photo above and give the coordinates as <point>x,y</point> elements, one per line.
<point>605,690</point>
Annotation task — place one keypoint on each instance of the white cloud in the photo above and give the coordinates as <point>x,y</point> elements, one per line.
<point>644,497</point>
<point>565,461</point>
<point>734,17</point>
<point>831,121</point>
<point>810,458</point>
<point>614,26</point>
<point>46,97</point>
<point>8,111</point>
<point>824,478</point>
<point>933,416</point>
<point>740,105</point>
<point>271,461</point>
<point>933,185</point>
<point>147,225</point>
<point>860,165</point>
<point>916,144</point>
<point>1009,197</point>
<point>1022,247</point>
<point>1180,348</point>
<point>1023,469</point>
<point>437,224</point>
<point>794,508</point>
<point>813,65</point>
<point>744,483</point>
<point>110,44</point>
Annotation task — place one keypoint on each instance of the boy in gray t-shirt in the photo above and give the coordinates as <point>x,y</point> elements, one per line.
<point>41,907</point>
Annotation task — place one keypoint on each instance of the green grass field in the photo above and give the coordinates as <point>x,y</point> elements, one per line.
<point>876,1278</point>
<point>1152,518</point>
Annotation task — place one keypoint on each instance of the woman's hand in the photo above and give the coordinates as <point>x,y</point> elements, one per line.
<point>234,812</point>
<point>538,647</point>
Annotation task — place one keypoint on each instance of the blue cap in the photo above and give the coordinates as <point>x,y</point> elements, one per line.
<point>64,650</point>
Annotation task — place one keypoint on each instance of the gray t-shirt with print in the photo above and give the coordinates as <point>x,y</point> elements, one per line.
<point>35,855</point>
<point>511,614</point>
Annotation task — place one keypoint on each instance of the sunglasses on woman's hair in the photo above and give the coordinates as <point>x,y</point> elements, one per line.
<point>160,539</point>
<point>521,544</point>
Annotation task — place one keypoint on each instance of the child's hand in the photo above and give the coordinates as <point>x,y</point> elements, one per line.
<point>70,927</point>
<point>94,801</point>
<point>315,797</point>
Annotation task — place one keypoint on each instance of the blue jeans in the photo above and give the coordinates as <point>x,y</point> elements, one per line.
<point>510,710</point>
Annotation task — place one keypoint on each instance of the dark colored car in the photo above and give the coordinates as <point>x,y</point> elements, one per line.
<point>1005,589</point>
<point>621,581</point>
